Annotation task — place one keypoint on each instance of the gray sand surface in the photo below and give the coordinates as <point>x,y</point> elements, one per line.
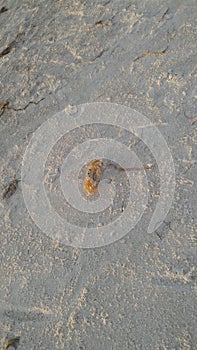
<point>139,292</point>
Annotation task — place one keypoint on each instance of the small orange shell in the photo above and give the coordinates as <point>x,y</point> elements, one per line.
<point>93,176</point>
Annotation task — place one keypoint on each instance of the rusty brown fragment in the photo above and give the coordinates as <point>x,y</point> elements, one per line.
<point>12,342</point>
<point>4,105</point>
<point>94,171</point>
<point>92,178</point>
<point>10,190</point>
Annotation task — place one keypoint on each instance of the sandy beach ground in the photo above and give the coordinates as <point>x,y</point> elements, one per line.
<point>137,293</point>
